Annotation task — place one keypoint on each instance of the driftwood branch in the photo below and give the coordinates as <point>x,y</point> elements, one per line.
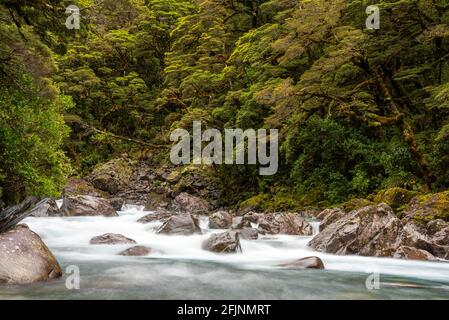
<point>11,216</point>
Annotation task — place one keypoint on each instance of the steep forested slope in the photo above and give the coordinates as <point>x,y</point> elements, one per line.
<point>358,110</point>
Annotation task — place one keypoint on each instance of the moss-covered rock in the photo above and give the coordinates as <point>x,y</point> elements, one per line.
<point>280,201</point>
<point>395,197</point>
<point>425,208</point>
<point>113,176</point>
<point>256,203</point>
<point>197,180</point>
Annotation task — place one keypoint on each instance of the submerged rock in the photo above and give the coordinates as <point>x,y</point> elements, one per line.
<point>305,263</point>
<point>411,253</point>
<point>181,224</point>
<point>370,231</point>
<point>226,242</point>
<point>87,206</point>
<point>284,223</point>
<point>24,258</point>
<point>220,220</point>
<point>111,239</point>
<point>137,251</point>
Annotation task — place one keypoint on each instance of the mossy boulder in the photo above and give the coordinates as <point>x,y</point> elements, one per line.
<point>256,203</point>
<point>280,201</point>
<point>113,176</point>
<point>425,208</point>
<point>201,181</point>
<point>395,197</point>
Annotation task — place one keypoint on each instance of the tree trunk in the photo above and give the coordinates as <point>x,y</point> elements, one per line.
<point>384,83</point>
<point>13,215</point>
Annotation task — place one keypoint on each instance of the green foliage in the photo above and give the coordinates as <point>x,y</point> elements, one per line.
<point>32,131</point>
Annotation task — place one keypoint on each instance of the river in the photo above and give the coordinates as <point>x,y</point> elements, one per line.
<point>180,269</point>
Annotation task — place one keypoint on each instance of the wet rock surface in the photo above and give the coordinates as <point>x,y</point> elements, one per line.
<point>370,231</point>
<point>226,242</point>
<point>305,263</point>
<point>181,224</point>
<point>137,251</point>
<point>111,239</point>
<point>24,258</point>
<point>87,206</point>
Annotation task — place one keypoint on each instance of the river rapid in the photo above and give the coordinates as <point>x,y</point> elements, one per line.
<point>180,269</point>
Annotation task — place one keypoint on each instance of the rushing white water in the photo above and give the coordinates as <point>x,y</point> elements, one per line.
<point>69,239</point>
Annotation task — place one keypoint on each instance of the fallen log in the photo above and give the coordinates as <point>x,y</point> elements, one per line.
<point>11,216</point>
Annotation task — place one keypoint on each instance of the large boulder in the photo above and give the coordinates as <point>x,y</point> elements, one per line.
<point>411,253</point>
<point>11,216</point>
<point>305,263</point>
<point>370,231</point>
<point>220,220</point>
<point>80,187</point>
<point>137,251</point>
<point>187,203</point>
<point>432,237</point>
<point>181,224</point>
<point>284,223</point>
<point>45,208</point>
<point>395,197</point>
<point>111,239</point>
<point>24,258</point>
<point>113,176</point>
<point>329,216</point>
<point>226,242</point>
<point>87,206</point>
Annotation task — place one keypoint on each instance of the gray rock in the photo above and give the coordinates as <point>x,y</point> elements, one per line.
<point>87,206</point>
<point>220,220</point>
<point>137,251</point>
<point>329,216</point>
<point>305,263</point>
<point>249,234</point>
<point>182,224</point>
<point>226,242</point>
<point>187,203</point>
<point>24,258</point>
<point>370,231</point>
<point>111,239</point>
<point>284,223</point>
<point>411,253</point>
<point>155,216</point>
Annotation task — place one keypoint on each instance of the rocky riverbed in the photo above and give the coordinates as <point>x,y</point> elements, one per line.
<point>161,234</point>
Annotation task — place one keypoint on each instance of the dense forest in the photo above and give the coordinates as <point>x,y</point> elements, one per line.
<point>358,110</point>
